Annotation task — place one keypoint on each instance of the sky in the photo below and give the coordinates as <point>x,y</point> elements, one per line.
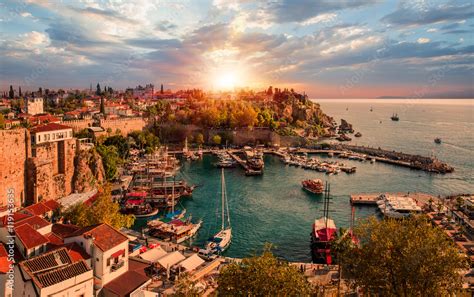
<point>326,48</point>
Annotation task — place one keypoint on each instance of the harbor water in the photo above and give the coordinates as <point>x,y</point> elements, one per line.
<point>273,208</point>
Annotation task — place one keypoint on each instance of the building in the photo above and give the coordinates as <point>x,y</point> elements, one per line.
<point>145,92</point>
<point>50,133</point>
<point>108,249</point>
<point>54,273</point>
<point>34,106</point>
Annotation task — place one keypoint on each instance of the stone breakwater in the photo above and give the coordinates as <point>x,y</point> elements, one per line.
<point>429,164</point>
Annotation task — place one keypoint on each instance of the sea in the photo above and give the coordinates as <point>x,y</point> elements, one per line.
<point>273,208</point>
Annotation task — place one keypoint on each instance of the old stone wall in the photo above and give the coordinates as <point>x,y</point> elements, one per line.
<point>13,155</point>
<point>123,125</point>
<point>50,170</point>
<point>78,125</point>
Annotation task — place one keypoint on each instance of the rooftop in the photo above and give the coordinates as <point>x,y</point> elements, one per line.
<point>53,267</point>
<point>126,283</point>
<point>49,127</point>
<point>105,236</point>
<point>29,237</point>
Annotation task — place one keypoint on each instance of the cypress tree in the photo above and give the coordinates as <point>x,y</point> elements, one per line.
<point>11,94</point>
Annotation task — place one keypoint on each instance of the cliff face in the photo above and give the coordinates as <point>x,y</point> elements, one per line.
<point>89,171</point>
<point>295,107</point>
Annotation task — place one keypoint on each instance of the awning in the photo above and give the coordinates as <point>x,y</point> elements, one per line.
<point>118,254</point>
<point>137,194</point>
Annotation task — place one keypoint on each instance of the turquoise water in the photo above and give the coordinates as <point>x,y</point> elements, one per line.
<point>273,207</point>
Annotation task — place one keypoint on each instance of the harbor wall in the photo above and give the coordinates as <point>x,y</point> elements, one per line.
<point>13,155</point>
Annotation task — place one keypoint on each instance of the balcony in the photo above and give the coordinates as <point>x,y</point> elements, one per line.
<point>117,266</point>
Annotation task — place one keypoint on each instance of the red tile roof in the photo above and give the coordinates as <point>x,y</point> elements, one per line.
<point>36,222</point>
<point>37,209</point>
<point>54,240</point>
<point>106,237</point>
<point>126,283</point>
<point>52,204</point>
<point>29,237</point>
<point>76,252</point>
<point>17,217</point>
<point>4,263</point>
<point>49,127</point>
<point>63,230</point>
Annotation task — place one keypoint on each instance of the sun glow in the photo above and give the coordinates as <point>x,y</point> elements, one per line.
<point>226,80</point>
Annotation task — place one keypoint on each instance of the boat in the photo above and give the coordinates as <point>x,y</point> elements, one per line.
<point>314,186</point>
<point>371,109</point>
<point>395,117</point>
<point>358,134</point>
<point>437,140</point>
<point>177,230</point>
<point>221,241</point>
<point>324,231</point>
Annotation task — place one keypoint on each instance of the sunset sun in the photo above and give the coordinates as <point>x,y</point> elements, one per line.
<point>226,80</point>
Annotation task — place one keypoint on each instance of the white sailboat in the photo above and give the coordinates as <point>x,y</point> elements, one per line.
<point>221,241</point>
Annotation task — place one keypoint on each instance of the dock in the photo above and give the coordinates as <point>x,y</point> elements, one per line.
<point>372,198</point>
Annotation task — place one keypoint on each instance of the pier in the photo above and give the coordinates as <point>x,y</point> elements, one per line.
<point>372,198</point>
<point>234,156</point>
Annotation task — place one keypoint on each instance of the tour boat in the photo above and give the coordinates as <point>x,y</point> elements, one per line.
<point>221,241</point>
<point>314,186</point>
<point>324,231</point>
<point>437,140</point>
<point>395,117</point>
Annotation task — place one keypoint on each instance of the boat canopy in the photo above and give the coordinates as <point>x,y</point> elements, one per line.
<point>135,201</point>
<point>137,194</point>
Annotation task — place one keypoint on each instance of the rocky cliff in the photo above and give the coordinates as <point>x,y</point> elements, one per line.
<point>88,171</point>
<point>293,107</point>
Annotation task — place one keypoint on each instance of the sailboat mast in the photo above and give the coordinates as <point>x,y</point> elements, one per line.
<point>172,194</point>
<point>222,197</point>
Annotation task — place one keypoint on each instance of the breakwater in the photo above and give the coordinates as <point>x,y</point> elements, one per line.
<point>429,164</point>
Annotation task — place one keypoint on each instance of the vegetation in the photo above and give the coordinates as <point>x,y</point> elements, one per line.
<point>121,143</point>
<point>2,121</point>
<point>217,139</point>
<point>110,158</point>
<point>263,275</point>
<point>186,287</point>
<point>402,258</point>
<point>145,140</point>
<point>103,210</point>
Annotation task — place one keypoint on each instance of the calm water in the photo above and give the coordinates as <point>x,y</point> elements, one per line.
<point>273,207</point>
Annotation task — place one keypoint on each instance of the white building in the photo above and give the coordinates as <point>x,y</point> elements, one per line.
<point>108,249</point>
<point>54,273</point>
<point>50,133</point>
<point>34,106</point>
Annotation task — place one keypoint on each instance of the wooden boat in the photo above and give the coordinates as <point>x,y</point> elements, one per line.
<point>314,186</point>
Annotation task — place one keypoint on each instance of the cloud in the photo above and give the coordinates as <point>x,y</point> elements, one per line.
<point>422,40</point>
<point>406,16</point>
<point>285,11</point>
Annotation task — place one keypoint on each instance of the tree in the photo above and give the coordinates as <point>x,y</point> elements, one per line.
<point>110,159</point>
<point>120,143</point>
<point>19,92</point>
<point>40,91</point>
<point>2,121</point>
<point>11,93</point>
<point>98,90</point>
<point>263,275</point>
<point>217,139</point>
<point>102,210</point>
<point>403,258</point>
<point>161,90</point>
<point>199,138</point>
<point>186,287</point>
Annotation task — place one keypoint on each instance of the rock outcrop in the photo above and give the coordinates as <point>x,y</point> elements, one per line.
<point>89,171</point>
<point>345,127</point>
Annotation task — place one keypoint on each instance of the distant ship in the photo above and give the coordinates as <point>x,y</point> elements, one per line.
<point>371,109</point>
<point>395,117</point>
<point>437,140</point>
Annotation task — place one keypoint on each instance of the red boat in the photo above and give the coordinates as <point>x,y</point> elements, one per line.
<point>324,231</point>
<point>314,186</point>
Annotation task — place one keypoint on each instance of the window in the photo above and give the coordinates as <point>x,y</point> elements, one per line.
<point>108,262</point>
<point>97,259</point>
<point>39,138</point>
